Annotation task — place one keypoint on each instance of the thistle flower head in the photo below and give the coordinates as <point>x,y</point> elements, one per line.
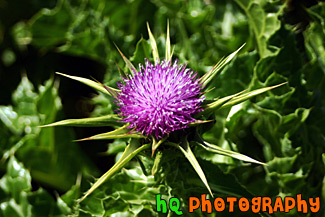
<point>160,98</point>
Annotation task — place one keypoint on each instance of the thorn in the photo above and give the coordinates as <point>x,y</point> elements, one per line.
<point>84,139</point>
<point>127,61</point>
<point>132,130</point>
<point>123,75</point>
<point>153,152</point>
<point>278,85</point>
<point>119,50</point>
<point>207,91</point>
<point>108,89</point>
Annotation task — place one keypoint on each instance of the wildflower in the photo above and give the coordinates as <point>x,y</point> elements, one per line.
<point>160,99</point>
<point>156,100</point>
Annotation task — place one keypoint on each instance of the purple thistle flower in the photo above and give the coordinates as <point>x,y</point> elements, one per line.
<point>160,98</point>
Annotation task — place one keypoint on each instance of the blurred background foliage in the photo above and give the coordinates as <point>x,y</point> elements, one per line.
<point>43,171</point>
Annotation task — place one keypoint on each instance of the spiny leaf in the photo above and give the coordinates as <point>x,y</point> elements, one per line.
<point>264,24</point>
<point>186,150</point>
<point>107,120</point>
<point>153,45</point>
<point>245,96</point>
<point>90,83</point>
<point>130,151</point>
<point>168,51</point>
<point>127,61</point>
<point>207,77</point>
<point>216,149</point>
<point>121,132</point>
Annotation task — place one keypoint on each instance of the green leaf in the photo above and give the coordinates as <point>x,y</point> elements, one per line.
<point>315,33</point>
<point>15,147</point>
<point>42,150</point>
<point>127,193</point>
<point>186,150</point>
<point>16,180</point>
<point>93,84</point>
<point>72,195</point>
<point>281,165</point>
<point>264,24</point>
<point>142,51</point>
<point>119,133</point>
<point>216,149</point>
<point>23,116</point>
<point>84,29</point>
<point>116,147</point>
<point>130,151</point>
<point>108,120</point>
<point>48,102</point>
<point>207,77</point>
<point>58,18</point>
<point>153,45</point>
<point>43,204</point>
<point>12,208</point>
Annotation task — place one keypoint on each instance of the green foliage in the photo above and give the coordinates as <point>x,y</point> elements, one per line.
<point>44,173</point>
<point>18,199</point>
<point>47,153</point>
